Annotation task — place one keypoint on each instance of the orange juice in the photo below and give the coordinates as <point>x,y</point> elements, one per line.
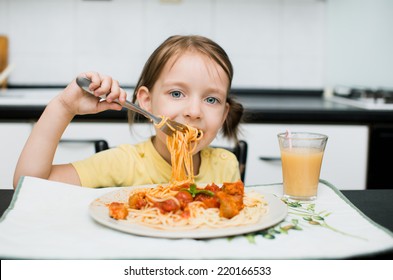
<point>300,169</point>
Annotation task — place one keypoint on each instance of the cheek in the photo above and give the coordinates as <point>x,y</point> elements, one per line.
<point>212,127</point>
<point>163,108</point>
<point>215,119</point>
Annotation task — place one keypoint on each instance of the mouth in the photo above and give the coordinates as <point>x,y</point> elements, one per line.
<point>200,133</point>
<point>199,130</point>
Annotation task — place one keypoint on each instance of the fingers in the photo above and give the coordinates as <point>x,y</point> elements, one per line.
<point>95,79</point>
<point>122,96</point>
<point>103,106</point>
<point>103,84</point>
<point>114,90</point>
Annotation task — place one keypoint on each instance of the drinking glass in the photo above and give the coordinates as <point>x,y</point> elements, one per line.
<point>301,157</point>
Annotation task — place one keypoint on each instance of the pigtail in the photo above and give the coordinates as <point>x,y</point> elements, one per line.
<point>230,128</point>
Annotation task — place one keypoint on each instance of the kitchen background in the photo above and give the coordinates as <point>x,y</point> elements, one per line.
<point>276,46</point>
<point>307,44</point>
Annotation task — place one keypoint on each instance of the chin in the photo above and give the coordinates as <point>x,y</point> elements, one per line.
<point>201,145</point>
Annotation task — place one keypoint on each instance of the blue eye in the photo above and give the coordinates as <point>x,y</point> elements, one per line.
<point>176,94</point>
<point>211,100</point>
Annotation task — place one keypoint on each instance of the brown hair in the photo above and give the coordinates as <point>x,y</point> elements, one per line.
<point>175,46</point>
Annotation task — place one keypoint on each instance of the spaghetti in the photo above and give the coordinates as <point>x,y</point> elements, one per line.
<point>163,208</point>
<point>182,205</point>
<point>181,146</point>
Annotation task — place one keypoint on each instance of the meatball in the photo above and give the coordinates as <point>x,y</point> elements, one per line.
<point>118,211</point>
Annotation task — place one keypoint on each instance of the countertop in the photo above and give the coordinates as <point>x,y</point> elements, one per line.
<point>261,106</point>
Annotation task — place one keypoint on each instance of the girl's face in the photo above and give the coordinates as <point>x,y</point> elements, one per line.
<point>192,89</point>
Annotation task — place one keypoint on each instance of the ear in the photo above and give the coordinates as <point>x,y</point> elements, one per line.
<point>227,106</point>
<point>143,97</point>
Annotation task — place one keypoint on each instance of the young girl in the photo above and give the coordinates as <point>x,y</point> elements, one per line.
<point>187,78</point>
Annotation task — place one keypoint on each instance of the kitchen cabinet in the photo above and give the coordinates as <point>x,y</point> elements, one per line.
<point>13,137</point>
<point>344,163</point>
<point>77,140</point>
<point>345,158</point>
<point>380,152</point>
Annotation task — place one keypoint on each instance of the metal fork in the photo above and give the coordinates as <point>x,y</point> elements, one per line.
<point>167,128</point>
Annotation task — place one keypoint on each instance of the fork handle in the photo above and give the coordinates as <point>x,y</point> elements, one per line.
<point>133,107</point>
<point>84,84</point>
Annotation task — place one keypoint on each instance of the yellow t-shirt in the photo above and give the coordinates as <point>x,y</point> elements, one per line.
<point>141,164</point>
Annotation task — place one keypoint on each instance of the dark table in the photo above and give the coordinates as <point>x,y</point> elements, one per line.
<point>376,204</point>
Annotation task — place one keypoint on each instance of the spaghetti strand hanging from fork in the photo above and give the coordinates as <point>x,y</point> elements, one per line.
<point>181,145</point>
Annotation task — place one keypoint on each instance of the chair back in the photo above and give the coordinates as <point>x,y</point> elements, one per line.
<point>240,151</point>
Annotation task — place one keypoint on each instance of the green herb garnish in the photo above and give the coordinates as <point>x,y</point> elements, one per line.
<point>194,191</point>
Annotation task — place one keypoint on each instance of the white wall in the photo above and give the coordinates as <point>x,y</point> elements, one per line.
<point>360,43</point>
<point>272,43</point>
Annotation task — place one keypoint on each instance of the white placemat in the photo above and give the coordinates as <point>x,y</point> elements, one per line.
<point>49,220</point>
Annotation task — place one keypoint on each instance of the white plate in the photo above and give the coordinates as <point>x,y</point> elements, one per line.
<point>277,211</point>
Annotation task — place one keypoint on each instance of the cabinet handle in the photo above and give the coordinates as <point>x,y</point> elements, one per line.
<point>99,144</point>
<point>270,158</point>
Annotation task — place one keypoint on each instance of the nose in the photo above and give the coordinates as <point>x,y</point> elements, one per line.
<point>193,110</point>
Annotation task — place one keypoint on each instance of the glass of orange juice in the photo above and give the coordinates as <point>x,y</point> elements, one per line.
<point>301,158</point>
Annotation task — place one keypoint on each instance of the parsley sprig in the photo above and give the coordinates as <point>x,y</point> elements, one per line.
<point>194,191</point>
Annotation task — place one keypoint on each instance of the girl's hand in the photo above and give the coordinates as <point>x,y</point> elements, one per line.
<point>79,102</point>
